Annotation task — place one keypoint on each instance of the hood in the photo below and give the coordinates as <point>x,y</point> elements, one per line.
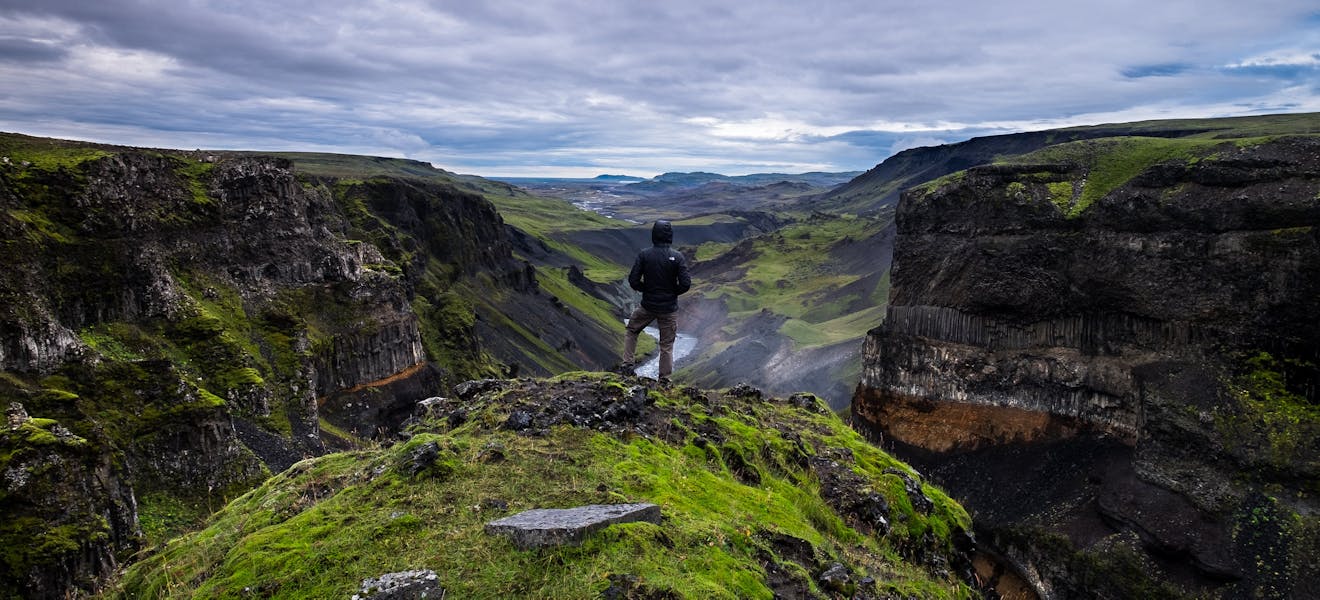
<point>662,233</point>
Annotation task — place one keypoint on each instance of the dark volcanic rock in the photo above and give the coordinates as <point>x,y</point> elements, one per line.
<point>196,321</point>
<point>404,585</point>
<point>1117,378</point>
<point>89,512</point>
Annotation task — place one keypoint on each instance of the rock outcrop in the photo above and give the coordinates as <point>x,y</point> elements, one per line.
<point>729,493</point>
<point>202,321</point>
<point>86,511</point>
<point>1116,382</point>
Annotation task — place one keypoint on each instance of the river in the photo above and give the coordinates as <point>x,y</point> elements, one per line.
<point>683,346</point>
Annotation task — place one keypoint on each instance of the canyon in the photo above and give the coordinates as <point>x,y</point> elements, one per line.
<point>1101,341</point>
<point>178,326</point>
<point>1102,376</point>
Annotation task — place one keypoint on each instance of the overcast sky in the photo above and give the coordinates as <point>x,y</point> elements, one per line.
<point>583,87</point>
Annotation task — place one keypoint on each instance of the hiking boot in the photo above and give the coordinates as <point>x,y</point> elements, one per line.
<point>626,368</point>
<point>665,382</point>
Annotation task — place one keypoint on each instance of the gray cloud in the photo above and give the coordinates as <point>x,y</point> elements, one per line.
<point>25,51</point>
<point>503,87</point>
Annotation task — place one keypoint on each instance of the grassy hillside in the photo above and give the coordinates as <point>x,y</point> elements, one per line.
<point>758,497</point>
<point>881,186</point>
<point>788,309</point>
<point>546,225</point>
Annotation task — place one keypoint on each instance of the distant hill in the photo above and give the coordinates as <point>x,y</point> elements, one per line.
<point>670,182</point>
<point>881,186</point>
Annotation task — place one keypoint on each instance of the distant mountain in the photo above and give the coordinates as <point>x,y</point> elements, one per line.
<point>619,178</point>
<point>671,182</point>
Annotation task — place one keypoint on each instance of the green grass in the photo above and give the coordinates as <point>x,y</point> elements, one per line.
<point>843,328</point>
<point>792,272</point>
<point>1109,163</point>
<point>320,528</point>
<point>166,516</point>
<point>542,217</point>
<point>47,154</point>
<point>555,282</point>
<point>553,221</point>
<point>195,173</point>
<point>354,167</point>
<point>711,219</point>
<point>1061,194</point>
<point>1224,128</point>
<point>39,227</point>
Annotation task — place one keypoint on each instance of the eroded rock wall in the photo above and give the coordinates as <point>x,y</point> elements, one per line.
<point>1020,327</point>
<point>186,317</point>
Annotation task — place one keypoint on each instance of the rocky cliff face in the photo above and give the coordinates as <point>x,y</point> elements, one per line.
<point>194,321</point>
<point>1118,374</point>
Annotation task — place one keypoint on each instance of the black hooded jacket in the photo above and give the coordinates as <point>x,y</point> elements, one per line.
<point>660,273</point>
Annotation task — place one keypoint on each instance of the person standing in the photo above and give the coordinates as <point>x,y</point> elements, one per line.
<point>660,273</point>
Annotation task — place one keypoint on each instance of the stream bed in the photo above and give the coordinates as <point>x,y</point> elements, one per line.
<point>683,346</point>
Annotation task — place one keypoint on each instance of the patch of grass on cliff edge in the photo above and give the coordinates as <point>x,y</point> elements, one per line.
<point>322,527</point>
<point>46,154</point>
<point>1108,163</point>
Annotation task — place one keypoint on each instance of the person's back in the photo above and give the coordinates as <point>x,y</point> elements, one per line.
<point>660,273</point>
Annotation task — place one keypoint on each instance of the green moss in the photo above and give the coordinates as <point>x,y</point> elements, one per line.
<point>38,227</point>
<point>447,323</point>
<point>47,154</point>
<point>118,341</point>
<point>940,183</point>
<point>30,543</point>
<point>1270,422</point>
<point>15,444</point>
<point>1061,194</point>
<point>1109,163</point>
<point>195,174</point>
<point>324,525</point>
<point>165,516</point>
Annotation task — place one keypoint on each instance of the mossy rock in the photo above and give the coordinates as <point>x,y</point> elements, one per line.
<point>325,525</point>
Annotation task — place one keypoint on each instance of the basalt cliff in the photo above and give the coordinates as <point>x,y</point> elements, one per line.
<point>1107,349</point>
<point>176,326</point>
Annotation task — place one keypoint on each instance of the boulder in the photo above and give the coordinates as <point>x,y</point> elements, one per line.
<point>568,526</point>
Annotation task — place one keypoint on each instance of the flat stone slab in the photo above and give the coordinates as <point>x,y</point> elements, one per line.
<point>568,526</point>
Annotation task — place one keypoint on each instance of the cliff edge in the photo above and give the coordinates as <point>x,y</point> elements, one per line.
<point>1108,350</point>
<point>175,326</point>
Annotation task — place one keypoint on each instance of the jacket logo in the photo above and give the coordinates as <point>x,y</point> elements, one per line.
<point>671,258</point>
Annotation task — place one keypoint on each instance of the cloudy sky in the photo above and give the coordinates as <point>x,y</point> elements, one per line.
<point>582,87</point>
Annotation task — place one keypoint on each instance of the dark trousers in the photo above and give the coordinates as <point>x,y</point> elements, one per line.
<point>668,323</point>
